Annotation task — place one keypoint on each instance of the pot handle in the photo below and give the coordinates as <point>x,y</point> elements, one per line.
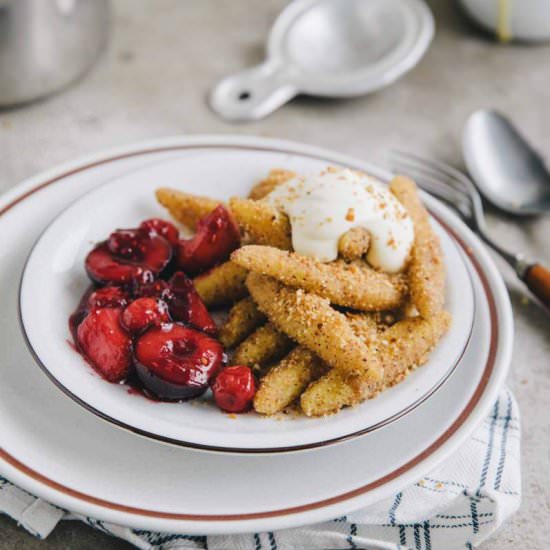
<point>252,94</point>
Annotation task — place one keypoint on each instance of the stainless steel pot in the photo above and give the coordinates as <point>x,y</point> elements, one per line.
<point>46,44</point>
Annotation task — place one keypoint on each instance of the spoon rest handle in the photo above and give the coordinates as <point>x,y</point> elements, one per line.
<point>252,94</point>
<point>537,278</point>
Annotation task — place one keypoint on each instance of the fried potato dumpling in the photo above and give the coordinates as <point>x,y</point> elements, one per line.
<point>243,319</point>
<point>266,344</point>
<point>354,285</point>
<point>222,285</point>
<point>284,383</point>
<point>354,244</point>
<point>364,325</point>
<point>275,177</point>
<point>330,393</point>
<point>426,269</point>
<point>186,208</point>
<point>400,348</point>
<point>308,351</point>
<point>311,321</point>
<point>262,223</point>
<point>408,343</point>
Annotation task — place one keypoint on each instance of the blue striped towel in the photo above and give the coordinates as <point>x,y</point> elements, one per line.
<point>458,505</point>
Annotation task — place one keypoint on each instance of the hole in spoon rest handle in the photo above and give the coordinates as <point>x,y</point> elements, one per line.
<point>537,278</point>
<point>252,94</point>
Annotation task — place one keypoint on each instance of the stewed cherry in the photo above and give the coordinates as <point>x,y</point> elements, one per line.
<point>234,389</point>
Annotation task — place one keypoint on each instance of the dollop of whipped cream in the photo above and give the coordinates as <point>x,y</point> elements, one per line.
<point>323,207</point>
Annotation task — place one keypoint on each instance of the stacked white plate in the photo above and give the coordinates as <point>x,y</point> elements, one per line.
<point>187,467</point>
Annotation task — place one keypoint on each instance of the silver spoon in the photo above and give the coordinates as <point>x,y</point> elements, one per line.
<point>507,171</point>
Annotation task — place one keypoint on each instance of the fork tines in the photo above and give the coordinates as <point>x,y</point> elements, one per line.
<point>436,178</point>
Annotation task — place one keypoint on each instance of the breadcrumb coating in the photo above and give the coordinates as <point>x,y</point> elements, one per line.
<point>266,344</point>
<point>243,318</point>
<point>284,383</point>
<point>222,285</point>
<point>312,322</point>
<point>186,208</point>
<point>261,223</point>
<point>354,244</point>
<point>353,285</point>
<point>426,268</point>
<point>364,325</point>
<point>400,348</point>
<point>409,342</point>
<point>275,177</point>
<point>330,393</point>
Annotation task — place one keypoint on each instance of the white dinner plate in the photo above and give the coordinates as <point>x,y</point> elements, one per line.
<point>57,263</point>
<point>57,450</point>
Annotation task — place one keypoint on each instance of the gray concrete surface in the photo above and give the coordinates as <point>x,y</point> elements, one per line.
<point>152,80</point>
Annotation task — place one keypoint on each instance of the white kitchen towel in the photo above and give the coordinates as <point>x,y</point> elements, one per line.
<point>456,506</point>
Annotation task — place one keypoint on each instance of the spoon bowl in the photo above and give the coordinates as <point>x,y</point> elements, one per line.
<point>506,169</point>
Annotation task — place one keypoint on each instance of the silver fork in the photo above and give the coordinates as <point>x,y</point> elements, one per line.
<point>457,190</point>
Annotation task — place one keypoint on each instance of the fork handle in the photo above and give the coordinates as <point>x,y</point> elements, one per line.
<point>537,278</point>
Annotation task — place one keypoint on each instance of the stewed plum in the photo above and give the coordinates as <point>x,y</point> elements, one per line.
<point>128,255</point>
<point>142,321</point>
<point>216,237</point>
<point>175,362</point>
<point>106,345</point>
<point>144,313</point>
<point>156,226</point>
<point>154,289</point>
<point>185,304</point>
<point>108,296</point>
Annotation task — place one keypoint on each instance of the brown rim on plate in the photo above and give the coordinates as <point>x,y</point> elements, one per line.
<point>459,421</point>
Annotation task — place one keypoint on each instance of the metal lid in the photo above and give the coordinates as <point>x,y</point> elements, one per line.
<point>329,48</point>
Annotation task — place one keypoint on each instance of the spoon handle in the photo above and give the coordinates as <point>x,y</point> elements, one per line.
<point>537,278</point>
